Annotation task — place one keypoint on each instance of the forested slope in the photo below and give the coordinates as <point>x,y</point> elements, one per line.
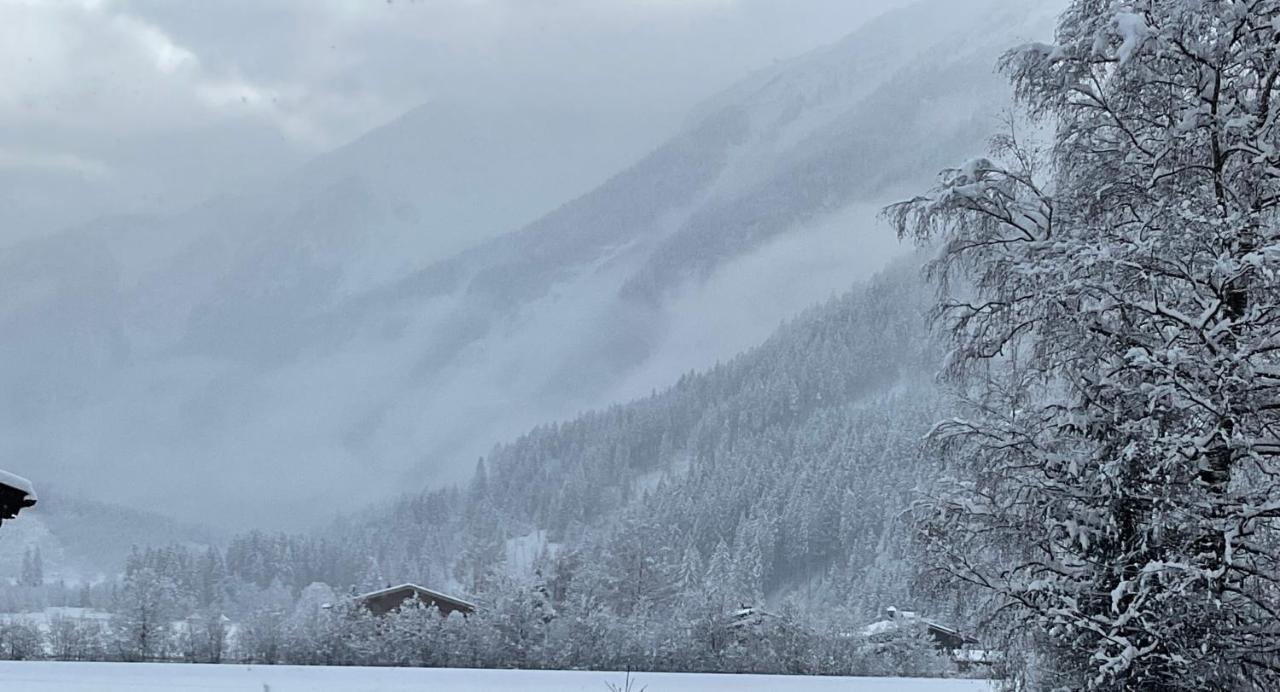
<point>780,472</point>
<point>623,537</point>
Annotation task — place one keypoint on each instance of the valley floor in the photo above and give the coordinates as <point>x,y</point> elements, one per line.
<point>155,677</point>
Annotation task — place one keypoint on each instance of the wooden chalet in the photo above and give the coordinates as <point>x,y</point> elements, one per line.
<point>750,617</point>
<point>945,638</point>
<point>392,598</point>
<point>16,494</point>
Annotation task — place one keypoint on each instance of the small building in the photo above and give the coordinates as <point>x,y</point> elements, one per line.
<point>750,617</point>
<point>751,624</point>
<point>392,598</point>
<point>16,494</point>
<point>945,638</point>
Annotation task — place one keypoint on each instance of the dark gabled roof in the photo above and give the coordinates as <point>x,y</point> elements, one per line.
<point>905,617</point>
<point>16,494</point>
<point>937,627</point>
<point>420,591</point>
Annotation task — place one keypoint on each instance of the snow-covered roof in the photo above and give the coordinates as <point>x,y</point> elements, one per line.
<point>432,593</point>
<point>18,482</point>
<point>880,627</point>
<point>743,617</point>
<point>901,618</point>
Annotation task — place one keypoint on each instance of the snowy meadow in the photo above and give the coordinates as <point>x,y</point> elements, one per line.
<point>116,677</point>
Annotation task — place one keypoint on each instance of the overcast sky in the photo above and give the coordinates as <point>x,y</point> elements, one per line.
<point>113,106</point>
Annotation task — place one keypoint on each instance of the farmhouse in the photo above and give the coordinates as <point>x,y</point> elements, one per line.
<point>945,638</point>
<point>392,598</point>
<point>16,494</point>
<point>750,618</point>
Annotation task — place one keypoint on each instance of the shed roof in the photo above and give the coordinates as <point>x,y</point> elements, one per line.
<point>16,494</point>
<point>18,483</point>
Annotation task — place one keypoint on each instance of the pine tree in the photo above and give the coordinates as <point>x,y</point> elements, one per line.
<point>24,577</point>
<point>690,574</point>
<point>37,568</point>
<point>373,579</point>
<point>32,573</point>
<point>722,587</point>
<point>1115,351</point>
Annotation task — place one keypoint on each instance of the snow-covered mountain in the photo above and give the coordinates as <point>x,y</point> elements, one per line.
<point>360,326</point>
<point>778,476</point>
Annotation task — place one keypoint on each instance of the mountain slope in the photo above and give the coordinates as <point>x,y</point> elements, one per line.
<point>777,475</point>
<point>275,348</point>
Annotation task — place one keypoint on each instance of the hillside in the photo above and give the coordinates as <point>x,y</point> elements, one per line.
<point>353,321</point>
<point>776,476</point>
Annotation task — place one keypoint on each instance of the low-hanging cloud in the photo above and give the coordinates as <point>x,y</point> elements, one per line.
<point>181,99</point>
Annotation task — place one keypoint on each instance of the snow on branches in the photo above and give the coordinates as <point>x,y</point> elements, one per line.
<point>1115,324</point>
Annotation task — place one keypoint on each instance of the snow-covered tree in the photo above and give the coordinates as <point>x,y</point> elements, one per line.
<point>302,627</point>
<point>260,638</point>
<point>20,641</point>
<point>1115,314</point>
<point>32,568</point>
<point>76,639</point>
<point>518,614</point>
<point>373,579</point>
<point>414,636</point>
<point>690,572</point>
<point>145,608</point>
<point>204,637</point>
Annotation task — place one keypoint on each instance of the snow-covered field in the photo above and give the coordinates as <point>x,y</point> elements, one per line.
<point>154,677</point>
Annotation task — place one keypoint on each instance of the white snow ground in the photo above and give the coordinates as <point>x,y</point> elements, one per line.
<point>155,677</point>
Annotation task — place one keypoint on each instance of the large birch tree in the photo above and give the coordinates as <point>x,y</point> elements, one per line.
<point>1112,304</point>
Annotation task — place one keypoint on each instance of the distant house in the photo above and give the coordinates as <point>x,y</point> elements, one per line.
<point>392,598</point>
<point>945,638</point>
<point>751,623</point>
<point>749,617</point>
<point>16,494</point>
